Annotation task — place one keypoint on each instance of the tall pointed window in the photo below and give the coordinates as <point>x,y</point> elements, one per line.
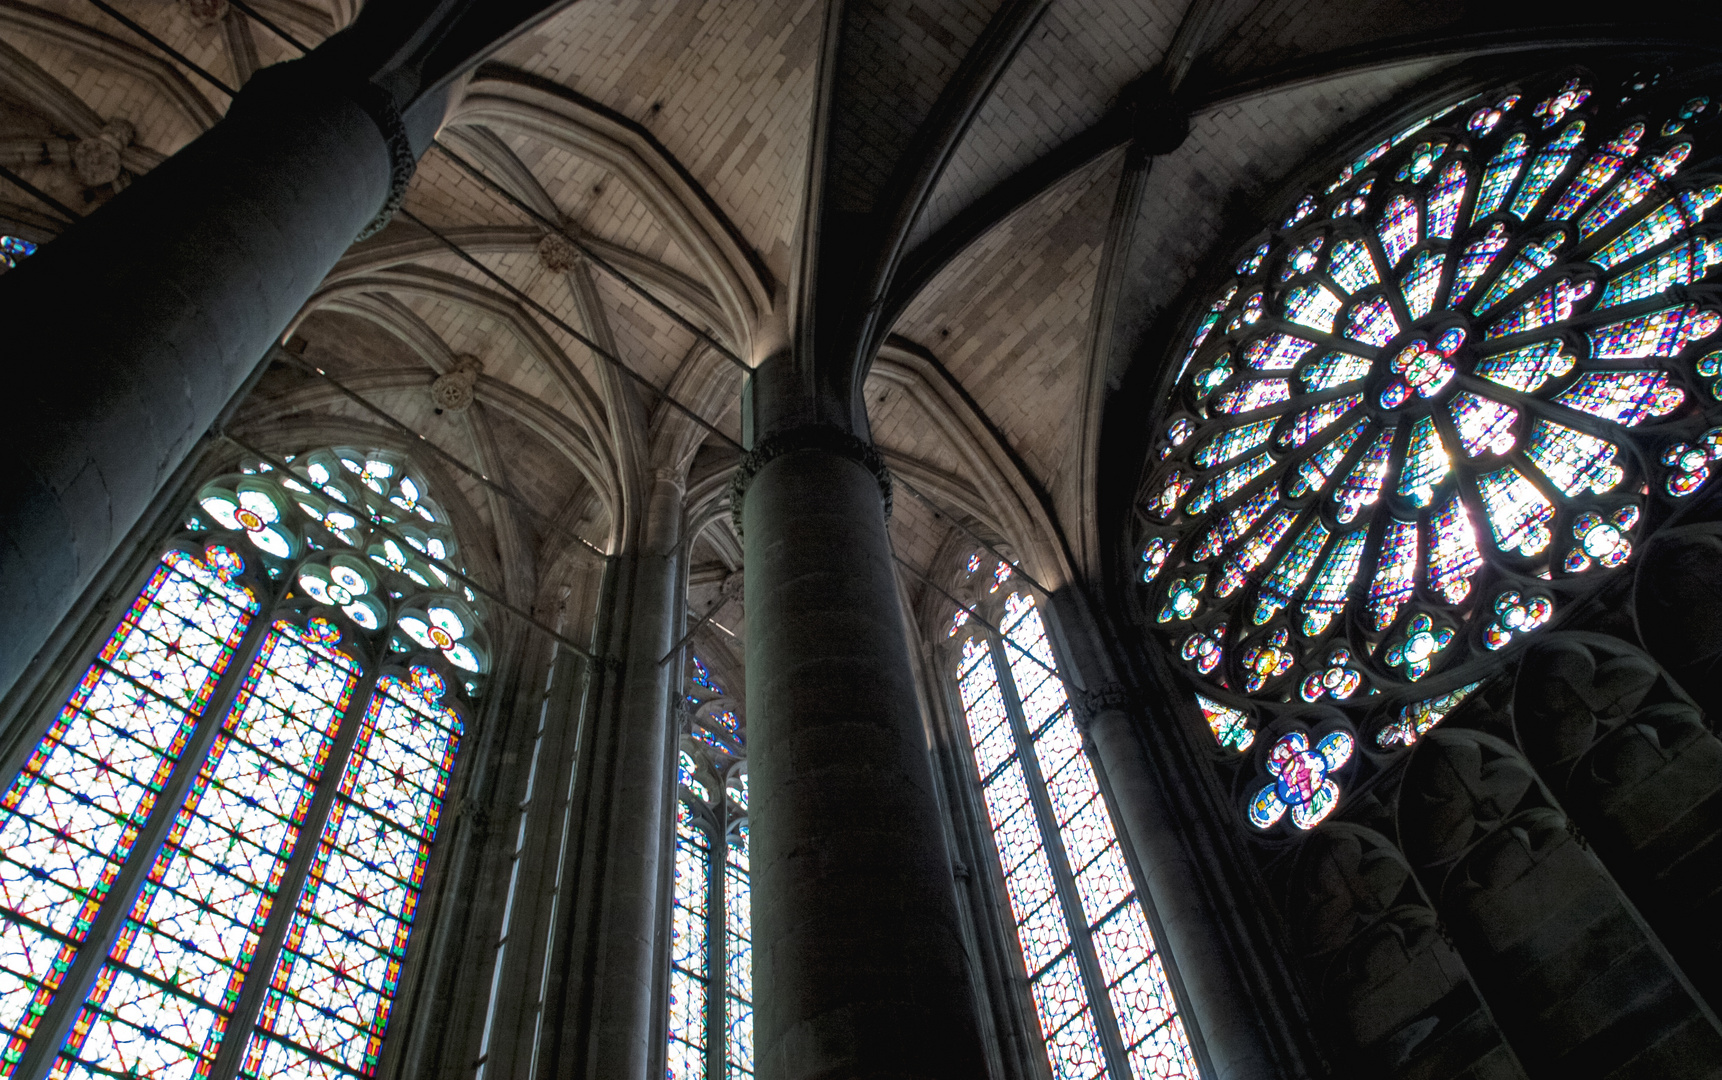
<point>1098,983</point>
<point>211,862</point>
<point>711,935</point>
<point>1436,406</point>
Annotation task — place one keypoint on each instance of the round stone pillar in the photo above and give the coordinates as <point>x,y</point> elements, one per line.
<point>859,967</point>
<point>130,333</point>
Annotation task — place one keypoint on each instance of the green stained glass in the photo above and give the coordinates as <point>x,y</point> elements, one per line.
<point>1281,586</point>
<point>1680,266</point>
<point>1499,176</point>
<point>1254,552</point>
<point>1395,573</point>
<point>1518,513</point>
<point>1545,169</point>
<point>1229,444</point>
<point>1352,267</point>
<point>1527,368</point>
<point>1332,586</point>
<point>1421,283</point>
<point>1334,369</point>
<point>1532,260</point>
<point>1313,472</point>
<point>1426,463</point>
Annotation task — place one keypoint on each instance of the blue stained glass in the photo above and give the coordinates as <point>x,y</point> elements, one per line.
<point>1231,727</point>
<point>334,982</point>
<point>1204,328</point>
<point>738,958</point>
<point>702,677</point>
<point>1334,369</point>
<point>1252,553</point>
<point>1421,283</point>
<point>1313,421</point>
<point>1485,426</point>
<point>1518,513</point>
<point>1661,333</point>
<point>1422,161</point>
<point>1399,228</point>
<point>1233,525</point>
<point>1453,554</point>
<point>1426,463</point>
<point>1663,223</point>
<point>1532,260</point>
<point>1395,570</point>
<point>1303,258</point>
<point>1277,352</point>
<point>1362,485</point>
<point>1680,266</point>
<point>1545,169</point>
<point>1633,188</point>
<point>1576,462</point>
<point>1248,314</point>
<point>1352,267</point>
<point>1252,395</point>
<point>1332,585</point>
<point>71,817</point>
<point>1314,471</point>
<point>13,248</point>
<point>1304,208</point>
<point>1628,398</point>
<point>1228,483</point>
<point>1313,305</point>
<point>1554,304</point>
<point>188,942</point>
<point>1281,586</point>
<point>1229,444</point>
<point>1474,263</point>
<point>690,949</point>
<point>1599,170</point>
<point>1499,176</point>
<point>1107,907</point>
<point>1527,368</point>
<point>1253,261</point>
<point>1372,322</point>
<point>1445,199</point>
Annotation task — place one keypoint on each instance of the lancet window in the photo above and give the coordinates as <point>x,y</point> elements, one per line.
<point>1098,983</point>
<point>1439,402</point>
<point>212,860</point>
<point>711,951</point>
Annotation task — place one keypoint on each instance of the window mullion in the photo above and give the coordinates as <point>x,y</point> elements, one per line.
<point>57,1020</point>
<point>717,949</point>
<point>1064,881</point>
<point>228,1057</point>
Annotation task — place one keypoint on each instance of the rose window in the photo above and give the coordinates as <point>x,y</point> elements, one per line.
<point>1445,395</point>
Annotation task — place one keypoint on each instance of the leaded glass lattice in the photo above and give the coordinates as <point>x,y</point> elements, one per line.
<point>1511,314</point>
<point>710,1012</point>
<point>211,863</point>
<point>1096,979</point>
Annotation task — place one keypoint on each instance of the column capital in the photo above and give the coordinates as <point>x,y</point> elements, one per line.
<point>823,437</point>
<point>1106,697</point>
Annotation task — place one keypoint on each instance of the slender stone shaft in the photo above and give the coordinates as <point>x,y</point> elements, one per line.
<point>627,943</point>
<point>859,968</point>
<point>127,335</point>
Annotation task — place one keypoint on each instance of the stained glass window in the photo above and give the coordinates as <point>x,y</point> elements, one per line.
<point>211,863</point>
<point>1497,308</point>
<point>13,248</point>
<point>1096,979</point>
<point>710,1012</point>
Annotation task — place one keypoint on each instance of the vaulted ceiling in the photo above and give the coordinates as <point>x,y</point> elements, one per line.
<point>1026,162</point>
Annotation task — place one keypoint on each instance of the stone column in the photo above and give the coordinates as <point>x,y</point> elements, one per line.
<point>130,333</point>
<point>625,949</point>
<point>859,965</point>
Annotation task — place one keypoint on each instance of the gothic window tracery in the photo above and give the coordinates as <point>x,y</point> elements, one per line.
<point>1098,983</point>
<point>711,933</point>
<point>12,249</point>
<point>212,860</point>
<point>1439,403</point>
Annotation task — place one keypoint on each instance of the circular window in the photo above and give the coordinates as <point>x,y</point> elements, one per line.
<point>1446,395</point>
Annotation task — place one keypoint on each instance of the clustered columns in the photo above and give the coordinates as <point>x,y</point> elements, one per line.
<point>858,951</point>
